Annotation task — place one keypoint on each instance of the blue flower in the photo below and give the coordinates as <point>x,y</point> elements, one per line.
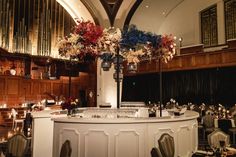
<point>131,37</point>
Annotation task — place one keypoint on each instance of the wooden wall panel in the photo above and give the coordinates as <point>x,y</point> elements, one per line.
<point>25,88</point>
<point>214,58</point>
<point>65,89</point>
<point>35,88</point>
<point>45,87</point>
<point>142,67</point>
<point>174,64</point>
<point>57,89</point>
<point>15,90</point>
<point>2,86</point>
<point>200,60</point>
<point>229,57</point>
<point>187,61</point>
<point>75,90</point>
<point>152,65</point>
<point>12,86</point>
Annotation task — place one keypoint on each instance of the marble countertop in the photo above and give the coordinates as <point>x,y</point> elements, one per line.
<point>188,115</point>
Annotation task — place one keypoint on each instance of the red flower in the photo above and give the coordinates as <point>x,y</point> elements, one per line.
<point>89,32</point>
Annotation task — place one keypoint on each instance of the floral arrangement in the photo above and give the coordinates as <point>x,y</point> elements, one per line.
<point>109,41</point>
<point>166,49</point>
<point>82,43</point>
<point>70,104</point>
<point>133,56</point>
<point>132,38</point>
<point>146,45</point>
<point>89,40</point>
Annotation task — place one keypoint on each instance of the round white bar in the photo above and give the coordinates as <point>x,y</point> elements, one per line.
<point>119,137</point>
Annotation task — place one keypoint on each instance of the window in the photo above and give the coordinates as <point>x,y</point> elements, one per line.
<point>230,19</point>
<point>209,26</point>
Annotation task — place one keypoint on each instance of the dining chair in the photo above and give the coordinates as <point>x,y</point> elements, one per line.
<point>208,124</point>
<point>66,149</point>
<point>16,121</point>
<point>224,125</point>
<point>166,145</point>
<point>17,146</point>
<point>232,132</point>
<point>154,152</point>
<point>216,137</point>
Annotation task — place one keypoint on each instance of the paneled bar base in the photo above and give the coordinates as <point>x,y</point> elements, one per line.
<point>120,137</point>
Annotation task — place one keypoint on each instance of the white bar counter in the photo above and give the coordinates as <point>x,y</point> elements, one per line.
<point>42,134</point>
<point>124,137</point>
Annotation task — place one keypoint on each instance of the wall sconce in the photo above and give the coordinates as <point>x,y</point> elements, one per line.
<point>180,41</point>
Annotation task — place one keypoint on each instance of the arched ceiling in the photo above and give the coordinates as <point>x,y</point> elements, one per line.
<point>118,12</point>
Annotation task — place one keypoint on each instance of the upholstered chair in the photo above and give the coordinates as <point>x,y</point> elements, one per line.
<point>215,137</point>
<point>154,152</point>
<point>17,146</point>
<point>166,145</point>
<point>66,149</point>
<point>208,124</point>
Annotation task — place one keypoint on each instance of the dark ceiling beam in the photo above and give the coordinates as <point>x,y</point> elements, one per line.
<point>131,12</point>
<point>85,3</point>
<point>111,7</point>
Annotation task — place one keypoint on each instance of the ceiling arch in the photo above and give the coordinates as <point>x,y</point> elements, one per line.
<point>119,13</point>
<point>76,9</point>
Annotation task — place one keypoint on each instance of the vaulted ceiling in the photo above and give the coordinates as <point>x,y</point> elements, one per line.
<point>120,12</point>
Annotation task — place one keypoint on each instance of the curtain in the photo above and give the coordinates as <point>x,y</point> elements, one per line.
<point>210,86</point>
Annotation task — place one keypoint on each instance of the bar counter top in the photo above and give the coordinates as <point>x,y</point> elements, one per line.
<point>188,115</point>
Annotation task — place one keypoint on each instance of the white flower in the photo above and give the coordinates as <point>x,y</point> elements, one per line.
<point>110,40</point>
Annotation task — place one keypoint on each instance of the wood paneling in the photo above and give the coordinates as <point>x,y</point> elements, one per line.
<point>12,86</point>
<point>45,87</point>
<point>15,90</point>
<point>26,87</point>
<point>220,58</point>
<point>35,88</point>
<point>57,88</point>
<point>2,86</point>
<point>214,59</point>
<point>200,60</point>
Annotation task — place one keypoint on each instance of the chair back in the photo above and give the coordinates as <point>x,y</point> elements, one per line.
<point>224,124</point>
<point>17,146</point>
<point>13,113</point>
<point>154,152</point>
<point>216,136</point>
<point>208,121</point>
<point>66,149</point>
<point>166,145</point>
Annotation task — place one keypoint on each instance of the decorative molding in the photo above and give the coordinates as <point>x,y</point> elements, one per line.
<point>194,136</point>
<point>98,131</point>
<point>159,132</point>
<point>132,11</point>
<point>75,131</point>
<point>184,129</point>
<point>134,132</point>
<point>111,7</point>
